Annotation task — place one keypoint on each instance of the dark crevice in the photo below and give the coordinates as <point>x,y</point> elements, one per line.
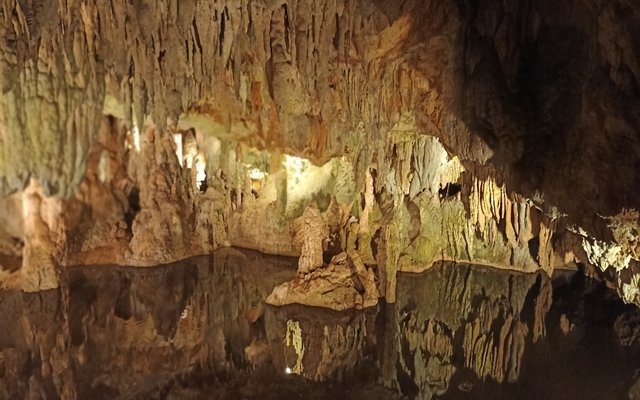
<point>326,257</point>
<point>233,195</point>
<point>336,37</point>
<point>123,304</point>
<point>250,23</point>
<point>527,316</point>
<point>268,74</point>
<point>82,295</point>
<point>449,190</point>
<point>134,208</point>
<point>407,386</point>
<point>534,246</point>
<point>357,283</point>
<point>375,239</point>
<point>204,186</point>
<point>196,35</point>
<point>224,16</point>
<point>287,27</point>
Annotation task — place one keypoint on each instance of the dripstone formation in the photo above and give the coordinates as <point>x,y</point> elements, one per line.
<point>366,138</point>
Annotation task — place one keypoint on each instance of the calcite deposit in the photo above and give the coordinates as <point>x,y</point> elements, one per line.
<point>365,138</point>
<point>451,131</point>
<point>342,284</point>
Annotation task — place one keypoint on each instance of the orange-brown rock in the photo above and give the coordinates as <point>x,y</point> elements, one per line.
<point>471,132</point>
<point>341,285</point>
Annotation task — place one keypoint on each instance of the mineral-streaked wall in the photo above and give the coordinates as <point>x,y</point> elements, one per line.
<point>140,207</point>
<point>420,98</point>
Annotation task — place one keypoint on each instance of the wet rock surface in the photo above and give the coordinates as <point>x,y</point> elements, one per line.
<point>200,329</point>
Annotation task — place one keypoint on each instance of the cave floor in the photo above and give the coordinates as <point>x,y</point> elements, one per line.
<point>198,329</point>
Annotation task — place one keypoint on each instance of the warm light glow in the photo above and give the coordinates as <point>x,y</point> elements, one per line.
<point>295,164</point>
<point>134,134</point>
<point>287,371</point>
<point>255,174</point>
<point>201,165</point>
<point>136,137</point>
<point>103,166</point>
<point>297,170</point>
<point>177,139</point>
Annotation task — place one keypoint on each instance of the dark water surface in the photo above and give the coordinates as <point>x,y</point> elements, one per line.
<point>197,329</point>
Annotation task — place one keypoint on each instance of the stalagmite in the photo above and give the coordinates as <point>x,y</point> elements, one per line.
<point>314,233</point>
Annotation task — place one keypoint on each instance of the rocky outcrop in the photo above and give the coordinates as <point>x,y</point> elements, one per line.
<point>342,284</point>
<point>314,233</point>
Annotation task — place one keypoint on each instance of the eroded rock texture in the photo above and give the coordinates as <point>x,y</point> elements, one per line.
<point>344,283</point>
<point>366,138</point>
<point>425,121</point>
<point>493,133</point>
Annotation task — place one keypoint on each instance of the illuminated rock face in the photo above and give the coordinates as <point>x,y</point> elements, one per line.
<point>138,206</point>
<point>146,133</point>
<point>343,284</point>
<point>368,140</point>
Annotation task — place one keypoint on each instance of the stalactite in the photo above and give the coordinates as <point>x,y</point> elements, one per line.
<point>294,338</point>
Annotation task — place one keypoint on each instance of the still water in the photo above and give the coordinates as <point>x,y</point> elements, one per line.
<point>198,329</point>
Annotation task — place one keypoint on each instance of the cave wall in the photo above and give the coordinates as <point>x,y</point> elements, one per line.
<point>138,206</point>
<point>527,108</point>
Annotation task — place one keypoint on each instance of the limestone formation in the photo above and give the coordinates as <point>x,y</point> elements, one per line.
<point>366,138</point>
<point>448,136</point>
<point>342,284</point>
<point>314,233</point>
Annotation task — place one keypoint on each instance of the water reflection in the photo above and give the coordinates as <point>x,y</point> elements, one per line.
<point>198,329</point>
